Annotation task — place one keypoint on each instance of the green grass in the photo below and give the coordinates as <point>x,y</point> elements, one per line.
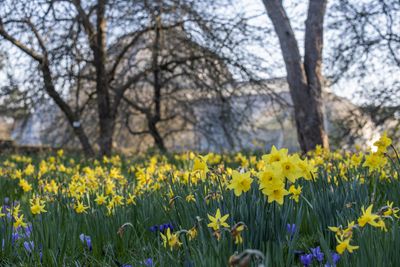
<point>56,233</point>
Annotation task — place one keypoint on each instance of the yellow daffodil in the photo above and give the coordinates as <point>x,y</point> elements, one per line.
<point>345,245</point>
<point>295,192</point>
<point>100,199</point>
<point>80,207</point>
<point>343,233</point>
<point>200,165</point>
<point>15,210</point>
<point>37,206</point>
<point>370,218</point>
<point>275,155</point>
<point>171,240</point>
<point>118,200</point>
<point>236,232</point>
<point>390,211</point>
<point>273,187</point>
<point>290,168</point>
<point>19,221</point>
<point>307,169</point>
<point>218,221</point>
<point>131,199</point>
<point>190,198</point>
<point>29,170</point>
<point>375,161</point>
<point>192,233</point>
<point>25,185</point>
<point>383,143</point>
<point>60,153</point>
<point>269,178</point>
<point>277,195</point>
<point>241,182</point>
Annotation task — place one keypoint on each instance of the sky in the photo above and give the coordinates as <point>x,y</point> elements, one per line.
<point>297,15</point>
<point>381,71</point>
<point>345,88</point>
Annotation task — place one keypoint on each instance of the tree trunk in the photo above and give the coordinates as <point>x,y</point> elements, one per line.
<point>304,84</point>
<point>43,62</point>
<point>73,120</point>
<point>313,64</point>
<point>154,118</point>
<point>158,140</point>
<point>105,113</point>
<point>97,39</point>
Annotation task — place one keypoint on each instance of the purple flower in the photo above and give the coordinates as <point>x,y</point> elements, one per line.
<point>161,227</point>
<point>28,230</point>
<point>86,239</point>
<point>291,229</point>
<point>335,259</point>
<point>165,226</point>
<point>317,254</point>
<point>306,259</point>
<point>153,228</point>
<point>82,237</point>
<point>5,210</point>
<point>28,245</point>
<point>149,262</point>
<point>126,265</point>
<point>89,242</point>
<point>14,237</point>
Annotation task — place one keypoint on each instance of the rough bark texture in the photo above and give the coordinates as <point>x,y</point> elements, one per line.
<point>106,116</point>
<point>313,61</point>
<point>304,79</point>
<point>73,120</point>
<point>157,87</point>
<point>96,35</point>
<point>158,140</point>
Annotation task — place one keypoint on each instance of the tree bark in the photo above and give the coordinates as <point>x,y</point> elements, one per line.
<point>313,62</point>
<point>106,116</point>
<point>73,120</point>
<point>43,62</point>
<point>97,40</point>
<point>157,87</point>
<point>304,79</point>
<point>158,140</point>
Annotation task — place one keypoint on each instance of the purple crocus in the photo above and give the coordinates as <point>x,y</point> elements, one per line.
<point>4,209</point>
<point>306,259</point>
<point>335,259</point>
<point>317,254</point>
<point>14,237</point>
<point>28,245</point>
<point>148,262</point>
<point>153,228</point>
<point>162,227</point>
<point>291,229</point>
<point>28,230</point>
<point>86,239</point>
<point>165,226</point>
